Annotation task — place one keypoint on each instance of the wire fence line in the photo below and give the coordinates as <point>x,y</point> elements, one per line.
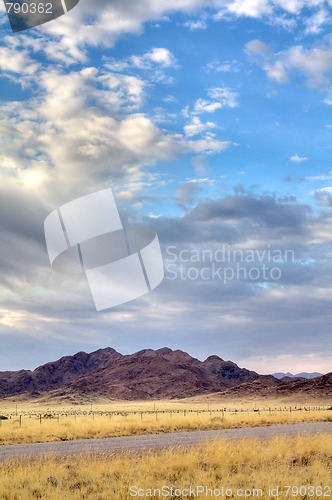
<point>19,416</point>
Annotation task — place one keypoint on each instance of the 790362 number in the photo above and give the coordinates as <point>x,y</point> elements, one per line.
<point>307,491</point>
<point>29,8</point>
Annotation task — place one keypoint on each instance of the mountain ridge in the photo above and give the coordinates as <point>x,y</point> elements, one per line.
<point>147,374</point>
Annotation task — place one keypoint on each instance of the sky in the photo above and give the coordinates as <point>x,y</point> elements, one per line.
<point>211,122</point>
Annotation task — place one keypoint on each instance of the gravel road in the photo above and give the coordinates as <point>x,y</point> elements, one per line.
<point>153,441</point>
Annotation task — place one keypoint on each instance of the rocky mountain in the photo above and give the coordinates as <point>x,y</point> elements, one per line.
<point>55,374</point>
<point>163,374</point>
<point>318,389</point>
<point>147,374</point>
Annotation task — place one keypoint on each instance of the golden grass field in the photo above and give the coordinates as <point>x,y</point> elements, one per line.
<point>29,423</point>
<point>236,466</point>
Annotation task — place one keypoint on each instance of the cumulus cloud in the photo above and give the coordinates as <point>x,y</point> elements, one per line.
<point>153,65</point>
<point>159,56</point>
<point>219,97</point>
<point>14,61</point>
<point>102,23</point>
<point>251,8</point>
<point>314,64</point>
<point>196,127</point>
<point>204,106</point>
<point>266,8</point>
<point>227,97</point>
<point>80,118</point>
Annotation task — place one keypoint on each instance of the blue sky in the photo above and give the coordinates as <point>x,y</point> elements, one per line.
<point>211,121</point>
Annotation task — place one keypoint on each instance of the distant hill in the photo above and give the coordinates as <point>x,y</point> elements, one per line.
<point>317,389</point>
<point>305,375</point>
<point>147,374</point>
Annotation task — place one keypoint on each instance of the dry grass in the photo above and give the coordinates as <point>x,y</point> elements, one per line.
<point>61,424</point>
<point>224,464</point>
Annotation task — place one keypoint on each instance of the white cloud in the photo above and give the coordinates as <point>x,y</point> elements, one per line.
<point>221,98</point>
<point>153,64</point>
<point>204,180</point>
<point>204,106</point>
<point>196,25</point>
<point>315,64</point>
<point>258,48</point>
<point>250,8</point>
<point>295,6</point>
<point>264,8</point>
<point>298,159</point>
<point>80,119</point>
<point>327,189</point>
<point>17,61</point>
<point>277,72</point>
<point>226,96</point>
<point>196,127</point>
<point>207,145</point>
<point>117,66</point>
<point>160,56</point>
<point>283,21</point>
<point>315,23</point>
<point>102,23</point>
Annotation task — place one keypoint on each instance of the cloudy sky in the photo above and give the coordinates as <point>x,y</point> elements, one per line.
<point>211,121</point>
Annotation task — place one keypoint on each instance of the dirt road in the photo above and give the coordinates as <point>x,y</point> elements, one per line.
<point>153,441</point>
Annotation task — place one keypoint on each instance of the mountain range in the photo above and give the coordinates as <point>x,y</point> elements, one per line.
<point>304,375</point>
<point>149,374</point>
